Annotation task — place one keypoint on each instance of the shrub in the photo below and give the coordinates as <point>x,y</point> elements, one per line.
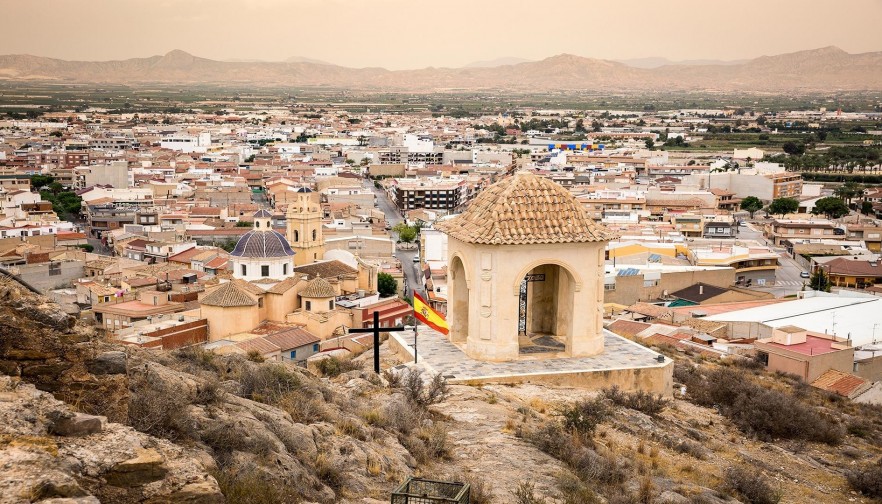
<point>752,486</point>
<point>420,393</point>
<point>266,383</point>
<point>198,355</point>
<point>255,356</point>
<point>525,494</point>
<point>867,479</point>
<point>479,491</point>
<point>305,406</point>
<point>332,367</point>
<point>226,437</point>
<point>571,490</point>
<point>159,409</point>
<point>584,416</point>
<point>209,392</point>
<point>328,472</point>
<point>250,487</point>
<point>765,412</point>
<point>641,401</point>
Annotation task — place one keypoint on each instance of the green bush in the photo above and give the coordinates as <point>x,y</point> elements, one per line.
<point>584,416</point>
<point>752,486</point>
<point>332,366</point>
<point>642,401</point>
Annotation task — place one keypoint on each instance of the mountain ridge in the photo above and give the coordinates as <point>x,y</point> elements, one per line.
<point>822,69</point>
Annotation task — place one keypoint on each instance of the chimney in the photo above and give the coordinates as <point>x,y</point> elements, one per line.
<point>701,290</point>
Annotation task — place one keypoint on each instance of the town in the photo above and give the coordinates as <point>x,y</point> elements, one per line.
<point>572,247</point>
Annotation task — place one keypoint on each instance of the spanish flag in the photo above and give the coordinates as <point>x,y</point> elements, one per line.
<point>423,312</point>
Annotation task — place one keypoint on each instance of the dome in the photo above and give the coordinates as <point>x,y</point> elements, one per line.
<point>262,214</point>
<point>318,287</point>
<point>262,244</point>
<point>303,190</point>
<point>524,209</point>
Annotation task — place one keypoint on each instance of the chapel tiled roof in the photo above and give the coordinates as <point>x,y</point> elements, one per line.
<point>228,295</point>
<point>327,269</point>
<point>318,287</point>
<point>524,209</point>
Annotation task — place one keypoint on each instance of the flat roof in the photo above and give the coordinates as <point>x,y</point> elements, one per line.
<point>850,316</point>
<point>813,345</point>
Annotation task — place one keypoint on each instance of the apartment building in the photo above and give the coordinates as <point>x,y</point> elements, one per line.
<point>790,231</point>
<point>431,193</point>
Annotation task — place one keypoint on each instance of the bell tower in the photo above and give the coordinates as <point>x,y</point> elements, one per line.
<point>304,219</point>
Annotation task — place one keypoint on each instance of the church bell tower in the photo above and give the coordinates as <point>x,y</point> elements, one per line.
<point>304,219</point>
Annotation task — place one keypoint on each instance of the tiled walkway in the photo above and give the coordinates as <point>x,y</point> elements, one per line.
<point>436,352</point>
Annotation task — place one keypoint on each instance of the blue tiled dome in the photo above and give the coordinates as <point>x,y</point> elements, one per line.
<point>262,244</point>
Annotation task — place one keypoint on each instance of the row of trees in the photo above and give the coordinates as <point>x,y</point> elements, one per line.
<point>833,207</point>
<point>65,202</point>
<point>839,159</point>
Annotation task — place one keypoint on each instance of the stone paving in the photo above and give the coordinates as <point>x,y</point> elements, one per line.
<point>435,351</point>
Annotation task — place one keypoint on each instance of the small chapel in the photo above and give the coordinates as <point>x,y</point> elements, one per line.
<point>525,273</point>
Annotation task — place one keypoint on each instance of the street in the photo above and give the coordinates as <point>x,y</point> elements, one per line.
<point>787,279</point>
<point>412,274</point>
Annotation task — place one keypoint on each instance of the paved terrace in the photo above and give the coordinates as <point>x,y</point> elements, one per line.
<point>435,351</point>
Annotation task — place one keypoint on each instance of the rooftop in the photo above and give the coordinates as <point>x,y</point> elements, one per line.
<point>524,209</point>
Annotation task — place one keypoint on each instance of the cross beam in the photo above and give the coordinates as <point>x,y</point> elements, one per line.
<point>376,330</point>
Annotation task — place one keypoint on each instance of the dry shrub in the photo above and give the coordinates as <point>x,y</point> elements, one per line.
<point>479,490</point>
<point>199,356</point>
<point>209,392</point>
<point>572,490</point>
<point>867,479</point>
<point>255,356</point>
<point>267,383</point>
<point>584,416</point>
<point>765,412</point>
<point>351,428</point>
<point>305,406</point>
<point>159,409</point>
<point>328,472</point>
<point>641,401</point>
<point>250,487</point>
<point>420,393</point>
<point>332,366</point>
<point>525,493</point>
<point>752,486</point>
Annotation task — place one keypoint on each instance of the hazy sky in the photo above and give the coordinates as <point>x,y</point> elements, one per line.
<point>419,33</point>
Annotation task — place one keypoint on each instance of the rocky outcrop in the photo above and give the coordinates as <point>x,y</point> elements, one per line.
<point>49,454</point>
<point>44,346</point>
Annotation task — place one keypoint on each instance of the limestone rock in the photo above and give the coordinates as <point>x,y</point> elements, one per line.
<point>64,423</point>
<point>109,363</point>
<point>670,497</point>
<point>146,467</point>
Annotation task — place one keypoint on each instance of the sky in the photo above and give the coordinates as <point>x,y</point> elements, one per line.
<point>399,34</point>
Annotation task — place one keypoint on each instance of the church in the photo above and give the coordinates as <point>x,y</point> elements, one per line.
<point>284,279</point>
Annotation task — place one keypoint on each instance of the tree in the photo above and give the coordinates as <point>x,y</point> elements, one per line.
<point>794,148</point>
<point>820,281</point>
<point>751,204</point>
<point>866,208</point>
<point>406,233</point>
<point>386,285</point>
<point>783,206</point>
<point>650,143</point>
<point>832,207</point>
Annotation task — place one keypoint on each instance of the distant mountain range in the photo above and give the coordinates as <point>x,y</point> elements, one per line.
<point>826,69</point>
<point>659,62</point>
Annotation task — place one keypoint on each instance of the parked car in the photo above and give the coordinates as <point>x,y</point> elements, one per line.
<point>804,274</point>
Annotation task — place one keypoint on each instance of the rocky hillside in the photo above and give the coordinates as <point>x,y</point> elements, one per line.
<point>827,69</point>
<point>84,421</point>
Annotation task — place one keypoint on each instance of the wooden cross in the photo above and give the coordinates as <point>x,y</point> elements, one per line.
<point>376,330</point>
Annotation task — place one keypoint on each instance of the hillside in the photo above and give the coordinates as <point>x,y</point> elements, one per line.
<point>190,426</point>
<point>826,69</point>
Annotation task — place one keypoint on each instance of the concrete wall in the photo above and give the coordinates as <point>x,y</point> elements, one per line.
<point>38,274</point>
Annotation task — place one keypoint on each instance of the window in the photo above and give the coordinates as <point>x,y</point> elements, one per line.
<point>315,347</point>
<point>285,269</point>
<point>314,234</point>
<point>264,270</point>
<point>244,270</point>
<point>296,235</point>
<point>309,306</point>
<point>257,224</point>
<point>331,304</point>
<point>54,269</point>
<point>763,358</point>
<point>260,302</point>
<point>293,354</point>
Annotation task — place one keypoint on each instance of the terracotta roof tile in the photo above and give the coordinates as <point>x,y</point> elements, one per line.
<point>524,209</point>
<point>228,295</point>
<point>841,383</point>
<point>318,287</point>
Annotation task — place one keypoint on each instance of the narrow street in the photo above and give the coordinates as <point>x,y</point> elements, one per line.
<point>412,273</point>
<point>787,279</point>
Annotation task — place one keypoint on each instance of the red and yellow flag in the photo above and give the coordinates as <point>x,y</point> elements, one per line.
<point>424,313</point>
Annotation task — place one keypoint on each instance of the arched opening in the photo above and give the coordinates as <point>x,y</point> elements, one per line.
<point>458,301</point>
<point>545,314</point>
<point>296,235</point>
<point>313,234</point>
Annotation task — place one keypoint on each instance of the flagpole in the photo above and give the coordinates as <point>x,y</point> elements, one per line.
<point>416,322</point>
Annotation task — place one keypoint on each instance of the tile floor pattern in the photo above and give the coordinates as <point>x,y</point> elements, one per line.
<point>436,352</point>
